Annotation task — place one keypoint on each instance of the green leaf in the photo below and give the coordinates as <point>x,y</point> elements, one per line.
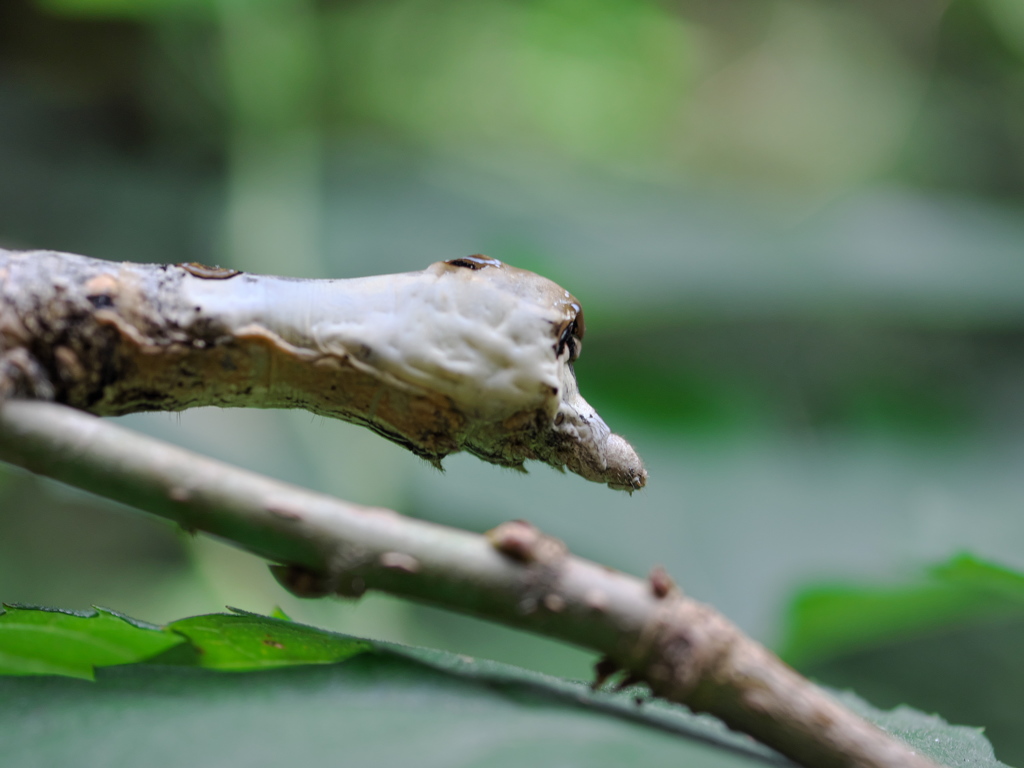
<point>828,620</point>
<point>400,706</point>
<point>375,709</point>
<point>950,643</point>
<point>133,9</point>
<point>984,577</point>
<point>249,641</point>
<point>43,641</point>
<point>947,744</point>
<point>633,704</point>
<point>278,613</point>
<point>397,705</point>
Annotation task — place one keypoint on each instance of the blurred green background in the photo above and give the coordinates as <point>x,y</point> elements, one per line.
<point>797,228</point>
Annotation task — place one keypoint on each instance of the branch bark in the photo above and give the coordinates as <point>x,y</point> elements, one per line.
<point>685,651</point>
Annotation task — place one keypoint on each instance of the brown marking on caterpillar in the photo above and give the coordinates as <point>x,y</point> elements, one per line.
<point>102,286</point>
<point>196,269</point>
<point>475,262</point>
<point>69,367</point>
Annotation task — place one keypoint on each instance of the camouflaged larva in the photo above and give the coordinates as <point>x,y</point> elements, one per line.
<point>468,354</point>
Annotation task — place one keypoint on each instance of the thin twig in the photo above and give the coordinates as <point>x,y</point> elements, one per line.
<point>515,575</point>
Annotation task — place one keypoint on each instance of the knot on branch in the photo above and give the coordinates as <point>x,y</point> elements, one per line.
<point>661,583</point>
<point>302,582</point>
<point>522,541</point>
<point>685,645</point>
<point>543,557</point>
<point>345,574</point>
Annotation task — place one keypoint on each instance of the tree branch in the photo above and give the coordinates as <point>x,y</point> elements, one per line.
<point>685,651</point>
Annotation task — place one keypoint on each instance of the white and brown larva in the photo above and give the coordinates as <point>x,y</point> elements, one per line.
<point>469,354</point>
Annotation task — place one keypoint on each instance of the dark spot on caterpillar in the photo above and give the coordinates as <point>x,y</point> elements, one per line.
<point>475,262</point>
<point>581,327</point>
<point>572,337</point>
<point>101,301</point>
<point>209,273</point>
